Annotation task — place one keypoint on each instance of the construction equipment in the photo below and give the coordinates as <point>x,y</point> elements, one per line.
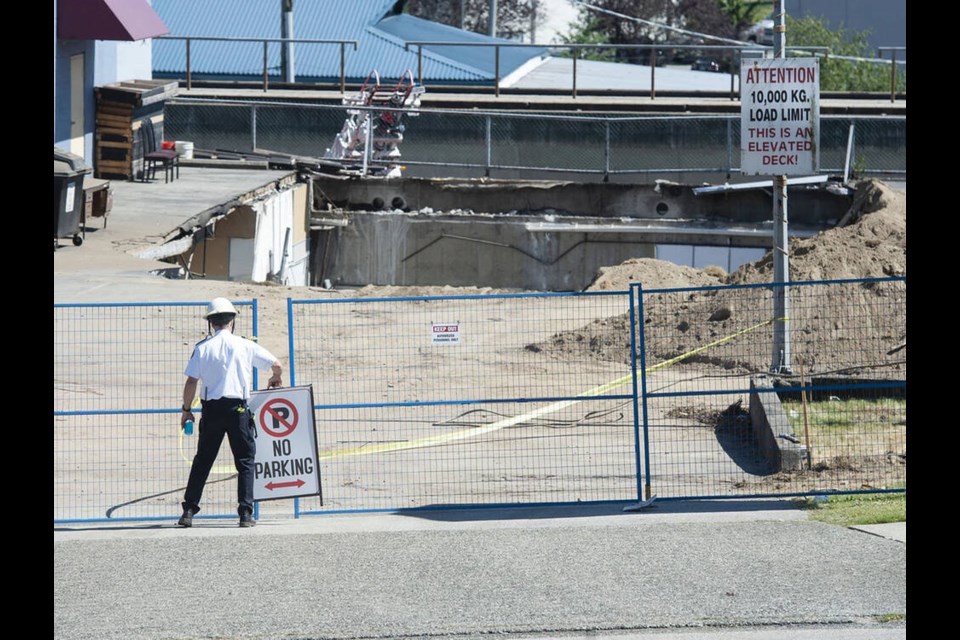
<point>373,129</point>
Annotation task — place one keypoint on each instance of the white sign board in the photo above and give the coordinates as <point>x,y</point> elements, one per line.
<point>445,332</point>
<point>287,461</point>
<point>71,197</point>
<point>780,116</point>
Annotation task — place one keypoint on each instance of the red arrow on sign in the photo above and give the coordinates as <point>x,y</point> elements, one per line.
<point>280,485</point>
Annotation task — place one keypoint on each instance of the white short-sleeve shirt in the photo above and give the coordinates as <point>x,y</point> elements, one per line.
<point>224,364</point>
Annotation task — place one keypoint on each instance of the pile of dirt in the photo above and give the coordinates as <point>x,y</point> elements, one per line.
<point>843,329</point>
<point>869,242</point>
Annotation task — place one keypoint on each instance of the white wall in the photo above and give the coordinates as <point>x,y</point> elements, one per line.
<point>274,239</point>
<point>119,61</point>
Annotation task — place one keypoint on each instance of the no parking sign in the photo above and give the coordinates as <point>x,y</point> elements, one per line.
<point>287,462</point>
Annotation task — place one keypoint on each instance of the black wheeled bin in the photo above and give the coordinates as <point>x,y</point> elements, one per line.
<point>68,173</point>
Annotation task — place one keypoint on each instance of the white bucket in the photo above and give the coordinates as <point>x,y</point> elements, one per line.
<point>184,149</point>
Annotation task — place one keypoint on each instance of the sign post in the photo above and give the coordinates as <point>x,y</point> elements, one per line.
<point>287,461</point>
<point>780,136</point>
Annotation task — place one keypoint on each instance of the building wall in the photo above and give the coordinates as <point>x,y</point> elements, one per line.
<point>64,50</point>
<point>105,62</point>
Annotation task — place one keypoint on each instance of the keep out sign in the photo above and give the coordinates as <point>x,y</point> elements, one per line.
<point>287,461</point>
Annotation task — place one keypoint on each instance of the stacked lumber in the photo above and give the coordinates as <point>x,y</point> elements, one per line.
<point>122,108</point>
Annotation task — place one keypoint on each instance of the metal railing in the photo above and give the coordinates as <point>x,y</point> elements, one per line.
<point>576,50</point>
<point>510,144</point>
<point>893,67</point>
<point>265,41</point>
<point>654,49</point>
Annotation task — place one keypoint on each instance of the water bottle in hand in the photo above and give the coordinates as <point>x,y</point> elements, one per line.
<point>188,428</point>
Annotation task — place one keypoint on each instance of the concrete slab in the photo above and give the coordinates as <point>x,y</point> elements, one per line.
<point>891,530</point>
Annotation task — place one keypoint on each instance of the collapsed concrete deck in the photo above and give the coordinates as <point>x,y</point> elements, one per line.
<point>537,235</point>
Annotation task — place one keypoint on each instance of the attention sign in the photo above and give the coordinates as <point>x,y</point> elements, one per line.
<point>780,116</point>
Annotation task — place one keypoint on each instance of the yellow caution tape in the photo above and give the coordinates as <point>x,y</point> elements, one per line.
<point>509,422</point>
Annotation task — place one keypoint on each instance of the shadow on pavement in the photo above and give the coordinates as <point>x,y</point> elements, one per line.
<point>446,513</point>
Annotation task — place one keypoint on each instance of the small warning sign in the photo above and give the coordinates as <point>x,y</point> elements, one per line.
<point>287,461</point>
<point>446,332</point>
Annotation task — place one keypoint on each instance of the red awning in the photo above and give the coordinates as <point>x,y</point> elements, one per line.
<point>125,20</point>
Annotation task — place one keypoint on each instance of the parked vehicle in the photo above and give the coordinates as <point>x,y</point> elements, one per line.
<point>705,64</point>
<point>759,33</point>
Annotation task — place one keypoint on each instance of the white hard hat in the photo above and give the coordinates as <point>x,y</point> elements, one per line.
<point>219,305</point>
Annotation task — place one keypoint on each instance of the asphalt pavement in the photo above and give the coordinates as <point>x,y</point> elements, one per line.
<point>696,570</point>
<point>672,570</point>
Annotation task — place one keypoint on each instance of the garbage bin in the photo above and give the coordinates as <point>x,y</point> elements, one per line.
<point>68,173</point>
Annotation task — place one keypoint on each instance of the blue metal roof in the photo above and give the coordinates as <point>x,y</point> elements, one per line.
<point>379,31</point>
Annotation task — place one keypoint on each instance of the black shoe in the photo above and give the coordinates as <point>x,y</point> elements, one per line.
<point>246,519</point>
<point>186,520</point>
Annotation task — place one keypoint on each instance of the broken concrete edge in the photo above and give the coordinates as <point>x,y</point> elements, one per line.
<point>216,163</point>
<point>181,238</point>
<point>771,426</point>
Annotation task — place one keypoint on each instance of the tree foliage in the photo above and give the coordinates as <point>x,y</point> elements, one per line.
<point>588,33</point>
<point>616,22</point>
<point>712,17</point>
<point>659,21</point>
<point>515,18</point>
<point>840,74</point>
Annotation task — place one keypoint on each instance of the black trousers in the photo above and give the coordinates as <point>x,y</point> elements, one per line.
<point>224,417</point>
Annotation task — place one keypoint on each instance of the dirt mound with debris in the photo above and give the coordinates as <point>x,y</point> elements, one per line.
<point>842,329</point>
<point>653,273</point>
<point>869,242</point>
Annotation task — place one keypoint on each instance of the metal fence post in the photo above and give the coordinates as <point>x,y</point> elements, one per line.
<point>606,151</point>
<point>253,126</point>
<point>653,72</point>
<point>729,146</point>
<point>576,53</point>
<point>893,76</point>
<point>488,137</point>
<point>496,70</point>
<point>264,65</point>
<point>638,350</point>
<point>846,164</point>
<point>189,82</point>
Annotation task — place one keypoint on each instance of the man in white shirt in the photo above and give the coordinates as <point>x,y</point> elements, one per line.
<point>224,363</point>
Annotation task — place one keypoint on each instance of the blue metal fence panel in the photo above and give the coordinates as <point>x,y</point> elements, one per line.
<point>457,400</point>
<point>725,418</point>
<point>119,452</point>
<point>453,401</point>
